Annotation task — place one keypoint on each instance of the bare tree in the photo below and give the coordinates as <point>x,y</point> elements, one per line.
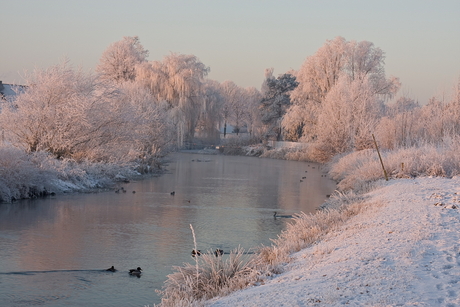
<point>233,106</point>
<point>253,120</point>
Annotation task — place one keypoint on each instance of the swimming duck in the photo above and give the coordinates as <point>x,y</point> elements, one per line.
<point>218,252</point>
<point>173,193</point>
<point>196,253</point>
<point>275,215</point>
<point>111,269</point>
<point>135,272</point>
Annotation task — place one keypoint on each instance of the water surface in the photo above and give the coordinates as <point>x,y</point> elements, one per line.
<point>54,251</point>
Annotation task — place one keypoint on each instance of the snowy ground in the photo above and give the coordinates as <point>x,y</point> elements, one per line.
<point>403,251</point>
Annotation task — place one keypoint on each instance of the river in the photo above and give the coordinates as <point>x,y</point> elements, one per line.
<point>54,251</point>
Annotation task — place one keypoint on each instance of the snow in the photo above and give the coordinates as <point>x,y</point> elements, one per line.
<point>403,250</point>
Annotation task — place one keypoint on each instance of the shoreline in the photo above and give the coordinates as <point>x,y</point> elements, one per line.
<point>402,249</point>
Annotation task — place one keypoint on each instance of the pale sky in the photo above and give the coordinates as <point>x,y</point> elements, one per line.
<point>237,39</point>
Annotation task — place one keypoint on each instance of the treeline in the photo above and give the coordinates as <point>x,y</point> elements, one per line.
<point>134,111</point>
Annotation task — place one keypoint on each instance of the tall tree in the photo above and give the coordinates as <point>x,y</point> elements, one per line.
<point>232,107</point>
<point>253,119</point>
<point>178,80</point>
<point>211,111</point>
<point>118,62</point>
<point>275,101</point>
<point>321,72</point>
<point>348,117</point>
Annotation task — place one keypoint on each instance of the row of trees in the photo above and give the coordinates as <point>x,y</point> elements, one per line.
<point>130,109</point>
<point>135,109</point>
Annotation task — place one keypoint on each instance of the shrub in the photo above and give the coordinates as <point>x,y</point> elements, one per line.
<point>355,170</point>
<point>211,276</point>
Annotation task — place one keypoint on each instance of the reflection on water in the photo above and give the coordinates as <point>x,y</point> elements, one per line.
<point>55,251</point>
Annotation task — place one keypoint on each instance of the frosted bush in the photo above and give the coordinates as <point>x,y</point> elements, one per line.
<point>21,177</point>
<point>29,175</point>
<point>211,276</point>
<point>357,169</point>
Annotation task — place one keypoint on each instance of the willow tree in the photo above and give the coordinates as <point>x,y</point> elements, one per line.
<point>211,111</point>
<point>178,80</point>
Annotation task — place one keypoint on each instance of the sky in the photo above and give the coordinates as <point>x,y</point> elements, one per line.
<point>237,39</point>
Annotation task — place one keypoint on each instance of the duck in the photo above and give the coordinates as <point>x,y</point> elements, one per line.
<point>111,269</point>
<point>135,272</point>
<point>275,215</point>
<point>218,252</point>
<point>173,193</point>
<point>196,253</point>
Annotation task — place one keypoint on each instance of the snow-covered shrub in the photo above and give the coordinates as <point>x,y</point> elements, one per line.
<point>21,176</point>
<point>29,175</point>
<point>355,170</point>
<point>293,154</point>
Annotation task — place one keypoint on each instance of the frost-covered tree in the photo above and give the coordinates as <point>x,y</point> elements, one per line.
<point>403,116</point>
<point>225,112</point>
<point>321,72</point>
<point>178,80</point>
<point>275,101</point>
<point>67,113</point>
<point>235,103</point>
<point>296,123</point>
<point>453,112</point>
<point>348,118</point>
<point>364,60</point>
<point>211,111</point>
<point>118,62</point>
<point>149,129</point>
<point>252,98</point>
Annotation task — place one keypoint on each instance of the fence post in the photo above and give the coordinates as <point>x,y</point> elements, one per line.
<point>380,157</point>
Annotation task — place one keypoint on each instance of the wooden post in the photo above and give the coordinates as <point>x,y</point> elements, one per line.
<point>380,157</point>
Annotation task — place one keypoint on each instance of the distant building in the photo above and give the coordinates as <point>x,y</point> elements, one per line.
<point>9,91</point>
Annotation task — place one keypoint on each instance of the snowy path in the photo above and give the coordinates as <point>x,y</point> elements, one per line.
<point>403,251</point>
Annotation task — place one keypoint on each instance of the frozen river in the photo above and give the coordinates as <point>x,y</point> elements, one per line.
<point>54,251</point>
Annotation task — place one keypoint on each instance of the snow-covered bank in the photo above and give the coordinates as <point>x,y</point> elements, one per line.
<point>403,250</point>
<point>24,175</point>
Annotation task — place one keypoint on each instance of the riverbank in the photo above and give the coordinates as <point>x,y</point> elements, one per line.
<point>38,174</point>
<point>401,250</point>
